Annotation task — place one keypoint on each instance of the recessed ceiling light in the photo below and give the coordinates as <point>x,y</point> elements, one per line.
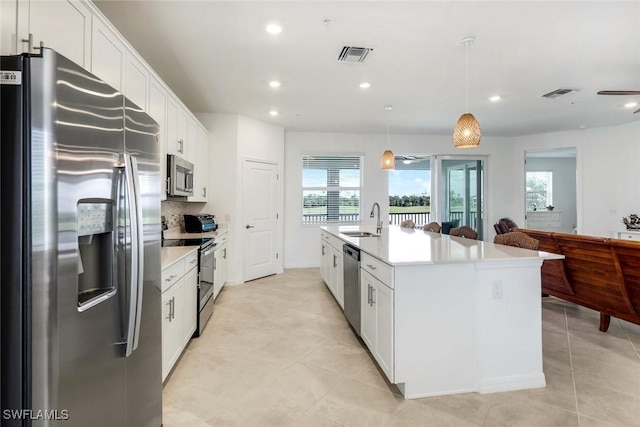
<point>274,83</point>
<point>365,85</point>
<point>630,104</point>
<point>495,98</point>
<point>274,29</point>
<point>273,113</point>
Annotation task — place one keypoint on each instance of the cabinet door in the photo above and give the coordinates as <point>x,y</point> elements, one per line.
<point>108,55</point>
<point>171,327</point>
<point>63,25</point>
<point>333,270</point>
<point>219,269</point>
<point>200,144</point>
<point>338,277</point>
<point>174,144</point>
<point>382,301</point>
<point>324,262</point>
<point>190,304</point>
<point>222,266</point>
<point>367,311</point>
<point>136,81</point>
<point>183,130</point>
<point>158,112</point>
<point>9,28</point>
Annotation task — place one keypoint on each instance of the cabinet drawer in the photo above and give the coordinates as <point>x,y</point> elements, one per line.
<point>628,236</point>
<point>377,268</point>
<point>191,261</point>
<point>332,240</point>
<point>172,274</point>
<point>220,240</point>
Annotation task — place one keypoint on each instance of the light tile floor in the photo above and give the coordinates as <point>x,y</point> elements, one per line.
<point>278,352</point>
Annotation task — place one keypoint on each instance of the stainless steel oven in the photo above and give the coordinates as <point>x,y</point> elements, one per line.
<point>205,276</point>
<point>205,286</point>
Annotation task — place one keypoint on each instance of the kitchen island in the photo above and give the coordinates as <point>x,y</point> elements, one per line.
<point>445,315</point>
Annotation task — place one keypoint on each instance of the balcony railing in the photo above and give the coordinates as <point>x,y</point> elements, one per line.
<point>419,218</point>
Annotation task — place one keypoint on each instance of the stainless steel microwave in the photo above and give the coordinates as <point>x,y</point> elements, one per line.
<point>179,176</point>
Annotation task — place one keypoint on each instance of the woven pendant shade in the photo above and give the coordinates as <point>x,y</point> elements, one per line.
<point>466,134</point>
<point>388,161</point>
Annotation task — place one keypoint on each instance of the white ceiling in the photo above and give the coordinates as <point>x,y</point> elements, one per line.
<point>218,57</point>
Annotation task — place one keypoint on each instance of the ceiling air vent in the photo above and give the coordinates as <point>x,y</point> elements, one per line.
<point>558,92</point>
<point>353,54</point>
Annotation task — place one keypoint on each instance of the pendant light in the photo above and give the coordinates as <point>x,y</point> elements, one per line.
<point>466,134</point>
<point>388,160</point>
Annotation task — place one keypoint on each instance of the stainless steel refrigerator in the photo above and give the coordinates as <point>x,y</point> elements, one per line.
<point>80,228</point>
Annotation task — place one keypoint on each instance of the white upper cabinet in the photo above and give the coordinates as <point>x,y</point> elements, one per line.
<point>136,81</point>
<point>199,145</point>
<point>177,118</point>
<point>62,25</point>
<point>108,55</point>
<point>8,27</point>
<point>79,31</point>
<point>158,111</point>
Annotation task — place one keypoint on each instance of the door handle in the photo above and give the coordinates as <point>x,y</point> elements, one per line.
<point>136,281</point>
<point>249,226</point>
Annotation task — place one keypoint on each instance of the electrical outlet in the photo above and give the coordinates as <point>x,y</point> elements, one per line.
<point>497,289</point>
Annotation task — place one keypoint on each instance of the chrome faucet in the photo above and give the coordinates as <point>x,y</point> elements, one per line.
<point>379,222</point>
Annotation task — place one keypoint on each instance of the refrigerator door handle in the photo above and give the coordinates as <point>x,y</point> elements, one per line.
<point>137,253</point>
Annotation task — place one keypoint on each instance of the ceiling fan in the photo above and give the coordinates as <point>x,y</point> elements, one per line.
<point>621,92</point>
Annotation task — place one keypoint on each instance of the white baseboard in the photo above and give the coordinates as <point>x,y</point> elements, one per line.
<point>516,382</point>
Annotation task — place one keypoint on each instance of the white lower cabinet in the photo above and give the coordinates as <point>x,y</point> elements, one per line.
<point>376,321</point>
<point>171,327</point>
<point>179,309</point>
<point>219,268</point>
<point>190,305</point>
<point>332,266</point>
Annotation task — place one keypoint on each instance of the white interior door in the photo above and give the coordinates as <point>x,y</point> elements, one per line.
<point>260,219</point>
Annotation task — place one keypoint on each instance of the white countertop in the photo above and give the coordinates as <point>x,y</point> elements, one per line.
<point>403,246</point>
<point>172,254</point>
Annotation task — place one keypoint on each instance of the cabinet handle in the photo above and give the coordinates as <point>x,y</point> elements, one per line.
<point>224,253</point>
<point>204,191</point>
<point>169,315</point>
<point>334,261</point>
<point>173,307</point>
<point>371,266</point>
<point>322,249</point>
<point>181,145</point>
<point>368,294</point>
<point>193,261</point>
<point>373,300</point>
<point>170,278</point>
<point>30,43</point>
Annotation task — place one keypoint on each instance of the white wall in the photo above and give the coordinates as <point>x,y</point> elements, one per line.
<point>301,245</point>
<point>563,186</point>
<point>235,138</point>
<point>608,160</point>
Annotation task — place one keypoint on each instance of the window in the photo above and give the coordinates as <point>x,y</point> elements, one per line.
<point>539,190</point>
<point>331,188</point>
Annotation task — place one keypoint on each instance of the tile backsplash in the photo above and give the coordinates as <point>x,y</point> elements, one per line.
<point>174,211</point>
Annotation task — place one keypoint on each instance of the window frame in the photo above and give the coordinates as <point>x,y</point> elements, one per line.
<point>548,192</point>
<point>327,189</point>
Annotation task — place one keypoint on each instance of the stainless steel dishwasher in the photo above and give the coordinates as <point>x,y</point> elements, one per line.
<point>352,285</point>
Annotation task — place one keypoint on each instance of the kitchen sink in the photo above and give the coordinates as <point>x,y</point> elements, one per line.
<point>359,234</point>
